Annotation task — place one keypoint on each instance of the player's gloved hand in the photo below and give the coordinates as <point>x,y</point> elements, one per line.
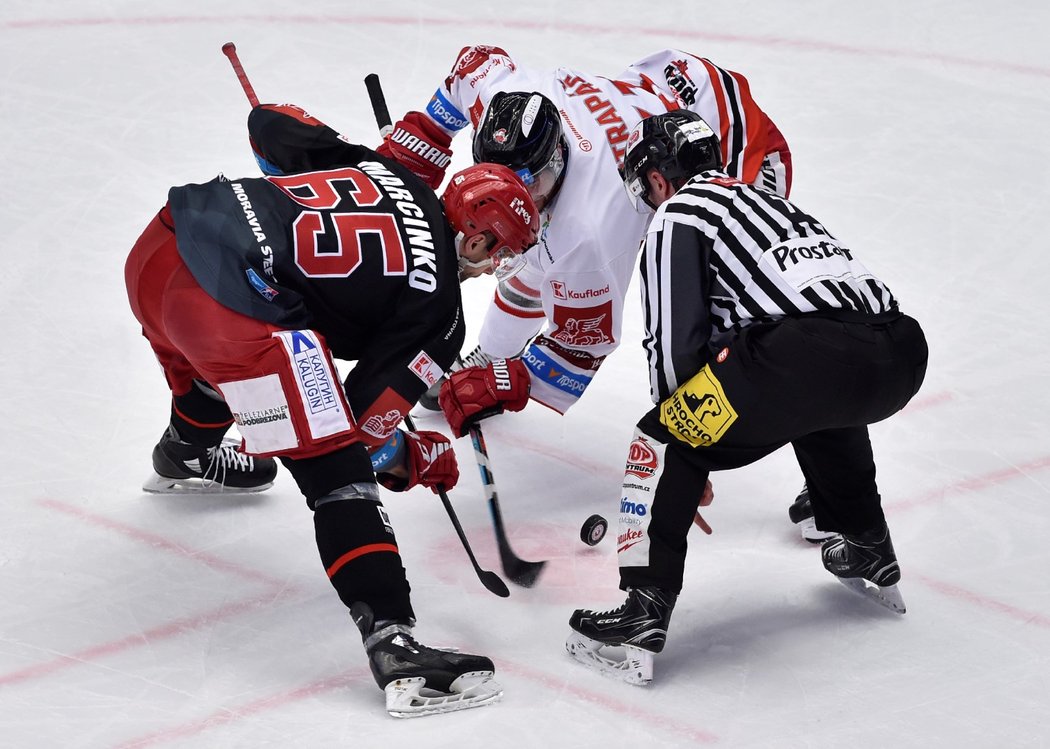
<point>428,460</point>
<point>475,393</point>
<point>421,146</point>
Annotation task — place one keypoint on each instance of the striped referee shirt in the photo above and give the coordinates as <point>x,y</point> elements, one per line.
<point>721,255</point>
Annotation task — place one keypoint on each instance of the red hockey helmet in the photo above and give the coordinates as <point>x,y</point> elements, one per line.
<point>490,197</point>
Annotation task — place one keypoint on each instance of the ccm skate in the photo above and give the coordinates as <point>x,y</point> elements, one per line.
<point>638,628</point>
<point>419,680</point>
<point>867,564</point>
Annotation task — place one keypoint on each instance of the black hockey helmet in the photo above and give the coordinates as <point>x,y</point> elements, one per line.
<point>523,131</point>
<point>677,144</point>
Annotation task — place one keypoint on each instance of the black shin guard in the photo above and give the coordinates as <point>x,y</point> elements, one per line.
<point>359,551</point>
<point>200,416</point>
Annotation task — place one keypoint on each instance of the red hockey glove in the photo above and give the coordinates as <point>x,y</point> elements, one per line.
<point>420,146</point>
<point>475,393</point>
<point>429,460</point>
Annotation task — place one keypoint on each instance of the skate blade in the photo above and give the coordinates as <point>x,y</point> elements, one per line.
<point>887,596</point>
<point>157,484</point>
<point>811,533</point>
<point>636,666</point>
<point>405,697</point>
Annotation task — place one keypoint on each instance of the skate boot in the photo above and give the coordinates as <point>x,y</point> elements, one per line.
<point>476,358</point>
<point>801,514</point>
<point>182,468</point>
<point>867,564</point>
<point>639,626</point>
<point>419,680</point>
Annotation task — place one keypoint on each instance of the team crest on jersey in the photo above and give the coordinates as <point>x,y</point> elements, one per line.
<point>583,326</point>
<point>677,75</point>
<point>698,413</point>
<point>381,426</point>
<point>380,420</point>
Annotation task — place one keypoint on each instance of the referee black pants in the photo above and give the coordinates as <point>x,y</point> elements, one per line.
<point>813,382</point>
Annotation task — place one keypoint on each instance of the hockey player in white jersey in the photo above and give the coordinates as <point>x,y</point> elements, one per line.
<point>565,132</point>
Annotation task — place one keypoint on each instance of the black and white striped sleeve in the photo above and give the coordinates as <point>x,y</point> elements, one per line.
<point>675,285</point>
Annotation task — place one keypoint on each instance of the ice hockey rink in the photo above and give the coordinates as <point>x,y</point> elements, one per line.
<point>919,136</point>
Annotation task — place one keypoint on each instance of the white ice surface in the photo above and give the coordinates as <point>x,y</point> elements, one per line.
<point>919,133</point>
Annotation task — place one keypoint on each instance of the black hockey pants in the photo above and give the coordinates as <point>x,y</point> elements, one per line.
<point>813,382</point>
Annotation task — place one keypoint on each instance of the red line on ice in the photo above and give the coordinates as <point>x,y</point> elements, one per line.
<point>806,45</point>
<point>232,714</point>
<point>156,541</point>
<point>984,602</point>
<point>973,483</point>
<point>147,637</point>
<point>277,591</point>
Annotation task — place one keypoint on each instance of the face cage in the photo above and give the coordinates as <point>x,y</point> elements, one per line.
<point>504,262</point>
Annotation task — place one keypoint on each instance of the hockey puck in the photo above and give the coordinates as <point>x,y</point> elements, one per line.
<point>593,530</point>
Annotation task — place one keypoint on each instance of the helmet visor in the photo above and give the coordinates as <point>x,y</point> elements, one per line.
<point>541,183</point>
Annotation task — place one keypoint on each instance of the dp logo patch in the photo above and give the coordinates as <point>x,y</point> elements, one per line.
<point>698,413</point>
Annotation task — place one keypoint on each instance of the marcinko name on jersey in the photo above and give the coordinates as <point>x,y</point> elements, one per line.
<point>420,239</point>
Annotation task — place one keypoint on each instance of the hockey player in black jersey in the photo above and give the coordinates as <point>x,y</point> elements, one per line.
<point>249,289</point>
<point>762,329</point>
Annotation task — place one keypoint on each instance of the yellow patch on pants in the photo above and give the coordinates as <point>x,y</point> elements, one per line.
<point>698,413</point>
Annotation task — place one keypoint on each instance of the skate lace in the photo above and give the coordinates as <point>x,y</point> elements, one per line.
<point>223,459</point>
<point>608,612</point>
<point>476,358</point>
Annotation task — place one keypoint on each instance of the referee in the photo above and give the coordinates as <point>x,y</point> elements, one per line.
<point>762,329</point>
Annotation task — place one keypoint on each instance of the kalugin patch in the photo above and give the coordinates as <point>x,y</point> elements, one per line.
<point>698,413</point>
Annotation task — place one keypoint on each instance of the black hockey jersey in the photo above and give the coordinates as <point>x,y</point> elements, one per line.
<point>360,252</point>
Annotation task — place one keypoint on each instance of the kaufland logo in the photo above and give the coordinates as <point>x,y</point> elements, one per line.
<point>561,291</point>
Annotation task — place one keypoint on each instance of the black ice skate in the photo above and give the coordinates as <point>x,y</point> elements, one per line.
<point>476,358</point>
<point>182,468</point>
<point>639,626</point>
<point>801,514</point>
<point>867,564</point>
<point>419,680</point>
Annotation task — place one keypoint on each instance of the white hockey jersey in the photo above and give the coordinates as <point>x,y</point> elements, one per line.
<point>578,273</point>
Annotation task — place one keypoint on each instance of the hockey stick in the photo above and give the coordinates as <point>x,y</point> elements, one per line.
<point>488,578</point>
<point>375,94</point>
<point>519,571</point>
<point>230,50</point>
